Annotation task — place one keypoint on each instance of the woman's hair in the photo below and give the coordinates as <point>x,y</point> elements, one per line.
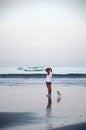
<point>48,69</point>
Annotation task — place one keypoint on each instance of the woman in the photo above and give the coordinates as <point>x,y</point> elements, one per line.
<point>49,81</point>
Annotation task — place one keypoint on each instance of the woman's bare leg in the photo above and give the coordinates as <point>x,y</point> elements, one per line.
<point>49,89</point>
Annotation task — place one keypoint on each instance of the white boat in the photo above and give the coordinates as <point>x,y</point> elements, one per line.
<point>34,69</point>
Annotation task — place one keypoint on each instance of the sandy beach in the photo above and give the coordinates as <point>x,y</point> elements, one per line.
<point>28,108</point>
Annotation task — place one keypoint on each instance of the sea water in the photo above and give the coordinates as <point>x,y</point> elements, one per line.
<point>62,76</point>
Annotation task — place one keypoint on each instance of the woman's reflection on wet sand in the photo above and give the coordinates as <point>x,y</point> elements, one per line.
<point>49,114</point>
<point>48,109</point>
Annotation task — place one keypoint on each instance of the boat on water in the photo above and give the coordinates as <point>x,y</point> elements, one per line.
<point>34,69</point>
<point>30,69</point>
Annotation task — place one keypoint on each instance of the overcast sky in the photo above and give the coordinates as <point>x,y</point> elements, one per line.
<point>42,32</point>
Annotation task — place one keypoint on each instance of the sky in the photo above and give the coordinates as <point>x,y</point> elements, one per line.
<point>42,33</point>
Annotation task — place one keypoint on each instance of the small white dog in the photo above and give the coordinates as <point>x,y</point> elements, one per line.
<point>58,96</point>
<point>58,93</point>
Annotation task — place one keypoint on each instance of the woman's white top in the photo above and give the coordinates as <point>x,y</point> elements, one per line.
<point>49,77</point>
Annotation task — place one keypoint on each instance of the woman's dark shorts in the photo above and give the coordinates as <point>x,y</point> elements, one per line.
<point>48,83</point>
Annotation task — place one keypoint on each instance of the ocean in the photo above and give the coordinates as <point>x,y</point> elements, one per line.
<point>62,76</point>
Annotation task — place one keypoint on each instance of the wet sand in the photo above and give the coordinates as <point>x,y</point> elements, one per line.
<point>27,107</point>
<point>80,126</point>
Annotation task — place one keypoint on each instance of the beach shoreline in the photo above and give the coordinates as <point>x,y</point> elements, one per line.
<point>25,107</point>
